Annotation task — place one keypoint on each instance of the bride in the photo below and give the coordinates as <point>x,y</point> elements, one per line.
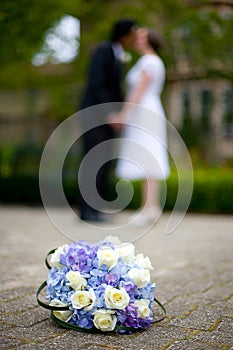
<point>143,150</point>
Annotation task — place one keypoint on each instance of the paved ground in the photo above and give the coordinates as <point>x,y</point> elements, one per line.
<point>193,272</point>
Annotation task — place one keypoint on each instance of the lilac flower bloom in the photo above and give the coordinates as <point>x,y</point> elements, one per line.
<point>130,288</point>
<point>129,316</point>
<point>111,279</point>
<point>77,255</point>
<point>145,322</point>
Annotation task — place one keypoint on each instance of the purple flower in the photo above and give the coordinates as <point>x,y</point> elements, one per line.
<point>112,279</point>
<point>78,256</point>
<point>129,316</point>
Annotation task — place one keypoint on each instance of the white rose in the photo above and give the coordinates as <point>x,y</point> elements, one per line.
<point>112,239</point>
<point>57,302</point>
<point>107,256</point>
<point>143,262</point>
<point>105,320</point>
<point>143,307</point>
<point>140,277</point>
<point>126,252</point>
<point>116,298</point>
<point>55,257</point>
<point>62,315</point>
<point>76,280</point>
<point>83,299</point>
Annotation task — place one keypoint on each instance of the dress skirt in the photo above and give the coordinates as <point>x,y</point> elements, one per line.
<point>143,146</point>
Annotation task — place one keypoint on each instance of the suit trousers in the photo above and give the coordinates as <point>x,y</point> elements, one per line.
<point>91,139</point>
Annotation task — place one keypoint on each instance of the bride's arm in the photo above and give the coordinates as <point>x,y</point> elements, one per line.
<point>133,99</point>
<point>134,96</point>
<point>137,91</point>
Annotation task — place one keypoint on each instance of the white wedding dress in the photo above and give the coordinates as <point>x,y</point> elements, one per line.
<point>143,146</point>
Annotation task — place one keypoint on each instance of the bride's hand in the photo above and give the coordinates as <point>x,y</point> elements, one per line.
<point>116,121</point>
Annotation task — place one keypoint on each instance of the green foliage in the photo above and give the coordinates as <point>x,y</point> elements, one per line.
<point>202,37</point>
<point>213,191</point>
<point>22,25</point>
<point>20,189</point>
<point>213,188</point>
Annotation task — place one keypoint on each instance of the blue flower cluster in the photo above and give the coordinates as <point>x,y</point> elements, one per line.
<point>105,286</point>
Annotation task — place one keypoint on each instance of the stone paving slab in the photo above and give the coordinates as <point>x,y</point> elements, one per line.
<point>193,272</point>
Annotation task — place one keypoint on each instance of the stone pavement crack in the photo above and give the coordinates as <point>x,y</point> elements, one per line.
<point>104,346</point>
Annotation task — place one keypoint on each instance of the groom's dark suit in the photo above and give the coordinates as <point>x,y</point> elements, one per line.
<point>103,83</point>
<point>103,86</point>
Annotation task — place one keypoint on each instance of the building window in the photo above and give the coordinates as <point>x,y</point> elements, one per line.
<point>188,129</point>
<point>228,113</point>
<point>206,106</point>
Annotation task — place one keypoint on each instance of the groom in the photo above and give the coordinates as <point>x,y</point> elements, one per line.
<point>103,86</point>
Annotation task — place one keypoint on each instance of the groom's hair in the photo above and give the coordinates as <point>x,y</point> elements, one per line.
<point>122,28</point>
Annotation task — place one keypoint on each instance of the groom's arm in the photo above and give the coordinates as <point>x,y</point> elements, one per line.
<point>103,76</point>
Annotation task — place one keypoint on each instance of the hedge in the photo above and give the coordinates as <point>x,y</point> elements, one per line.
<point>212,193</point>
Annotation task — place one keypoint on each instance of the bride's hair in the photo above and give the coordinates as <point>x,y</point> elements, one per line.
<point>155,39</point>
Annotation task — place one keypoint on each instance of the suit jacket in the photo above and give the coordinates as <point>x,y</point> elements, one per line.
<point>103,84</point>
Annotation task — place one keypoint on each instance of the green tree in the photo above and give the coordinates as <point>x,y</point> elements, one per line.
<point>24,23</point>
<point>197,34</point>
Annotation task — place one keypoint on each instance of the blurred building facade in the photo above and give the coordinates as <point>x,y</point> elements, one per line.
<point>202,111</point>
<point>201,107</point>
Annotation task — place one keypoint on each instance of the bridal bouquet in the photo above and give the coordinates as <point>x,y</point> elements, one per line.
<point>101,286</point>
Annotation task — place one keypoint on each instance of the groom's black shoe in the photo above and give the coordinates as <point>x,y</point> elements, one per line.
<point>92,215</point>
